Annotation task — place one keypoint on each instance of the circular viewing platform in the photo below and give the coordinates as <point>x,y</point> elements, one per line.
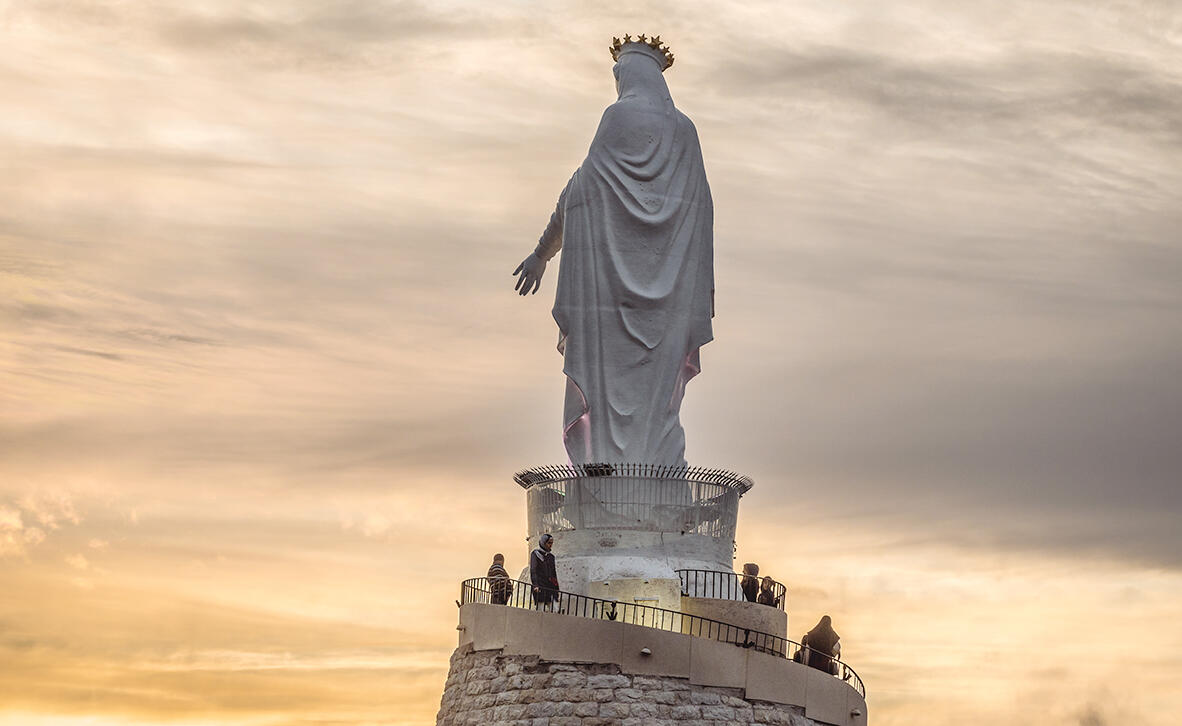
<point>514,594</point>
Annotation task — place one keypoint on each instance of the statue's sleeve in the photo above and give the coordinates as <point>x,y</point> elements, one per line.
<point>551,240</point>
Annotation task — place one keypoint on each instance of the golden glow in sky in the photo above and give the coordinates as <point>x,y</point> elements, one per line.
<point>264,380</point>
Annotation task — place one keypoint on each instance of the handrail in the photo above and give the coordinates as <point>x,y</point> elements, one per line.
<point>519,594</point>
<point>726,586</point>
<point>527,478</point>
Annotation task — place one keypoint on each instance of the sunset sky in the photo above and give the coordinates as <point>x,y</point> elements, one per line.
<point>264,379</point>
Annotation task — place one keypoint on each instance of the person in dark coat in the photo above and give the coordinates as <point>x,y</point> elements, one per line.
<point>543,573</point>
<point>500,586</point>
<point>750,581</point>
<point>822,642</point>
<point>767,593</point>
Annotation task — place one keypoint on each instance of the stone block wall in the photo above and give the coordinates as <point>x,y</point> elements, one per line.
<point>489,688</point>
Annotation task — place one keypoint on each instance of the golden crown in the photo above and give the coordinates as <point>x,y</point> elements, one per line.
<point>654,43</point>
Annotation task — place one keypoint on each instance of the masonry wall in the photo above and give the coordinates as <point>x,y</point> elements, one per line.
<point>491,688</point>
<point>633,650</point>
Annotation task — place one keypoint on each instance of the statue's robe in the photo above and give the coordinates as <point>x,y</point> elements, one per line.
<point>636,278</point>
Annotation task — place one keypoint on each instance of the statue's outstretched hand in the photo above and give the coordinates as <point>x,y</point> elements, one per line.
<point>531,270</point>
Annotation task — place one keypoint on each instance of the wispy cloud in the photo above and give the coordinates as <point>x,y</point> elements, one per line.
<point>15,537</point>
<point>25,524</point>
<point>260,343</point>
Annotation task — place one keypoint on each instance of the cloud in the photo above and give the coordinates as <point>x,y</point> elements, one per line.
<point>302,35</point>
<point>1020,92</point>
<point>1091,716</point>
<point>12,533</point>
<point>256,259</point>
<point>10,518</point>
<point>153,655</point>
<point>49,510</point>
<point>95,353</point>
<point>308,24</point>
<point>926,283</point>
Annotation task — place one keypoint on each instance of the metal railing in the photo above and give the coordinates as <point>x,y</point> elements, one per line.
<point>560,472</point>
<point>514,593</point>
<point>646,497</point>
<point>728,586</point>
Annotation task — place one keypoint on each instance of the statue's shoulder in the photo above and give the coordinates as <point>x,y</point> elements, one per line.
<point>626,107</point>
<point>622,106</point>
<point>613,114</point>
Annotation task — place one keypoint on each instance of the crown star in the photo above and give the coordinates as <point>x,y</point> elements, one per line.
<point>663,54</point>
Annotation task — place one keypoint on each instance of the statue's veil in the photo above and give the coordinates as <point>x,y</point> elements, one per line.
<point>636,281</point>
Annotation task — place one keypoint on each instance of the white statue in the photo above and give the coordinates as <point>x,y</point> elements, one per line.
<point>636,279</point>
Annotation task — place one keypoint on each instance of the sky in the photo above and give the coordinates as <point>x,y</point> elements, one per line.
<point>264,379</point>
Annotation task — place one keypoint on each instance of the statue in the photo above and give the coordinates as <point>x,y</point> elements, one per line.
<point>635,295</point>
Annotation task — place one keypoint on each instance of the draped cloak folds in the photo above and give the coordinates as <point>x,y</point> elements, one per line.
<point>636,279</point>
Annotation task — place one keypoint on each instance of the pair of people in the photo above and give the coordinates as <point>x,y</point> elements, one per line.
<point>543,575</point>
<point>757,589</point>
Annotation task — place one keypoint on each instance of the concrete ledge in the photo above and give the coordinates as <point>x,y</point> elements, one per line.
<point>465,628</point>
<point>825,697</point>
<point>717,664</point>
<point>523,629</point>
<point>580,640</point>
<point>703,662</point>
<point>774,679</point>
<point>484,627</point>
<point>855,702</point>
<point>670,652</point>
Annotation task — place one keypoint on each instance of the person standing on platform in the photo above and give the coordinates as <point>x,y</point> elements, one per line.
<point>543,574</point>
<point>823,646</point>
<point>500,586</point>
<point>767,593</point>
<point>749,583</point>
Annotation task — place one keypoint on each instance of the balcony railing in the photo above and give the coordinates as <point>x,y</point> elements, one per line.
<point>674,499</point>
<point>729,586</point>
<point>514,593</point>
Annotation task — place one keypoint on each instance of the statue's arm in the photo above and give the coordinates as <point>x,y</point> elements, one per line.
<point>551,240</point>
<point>532,268</point>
